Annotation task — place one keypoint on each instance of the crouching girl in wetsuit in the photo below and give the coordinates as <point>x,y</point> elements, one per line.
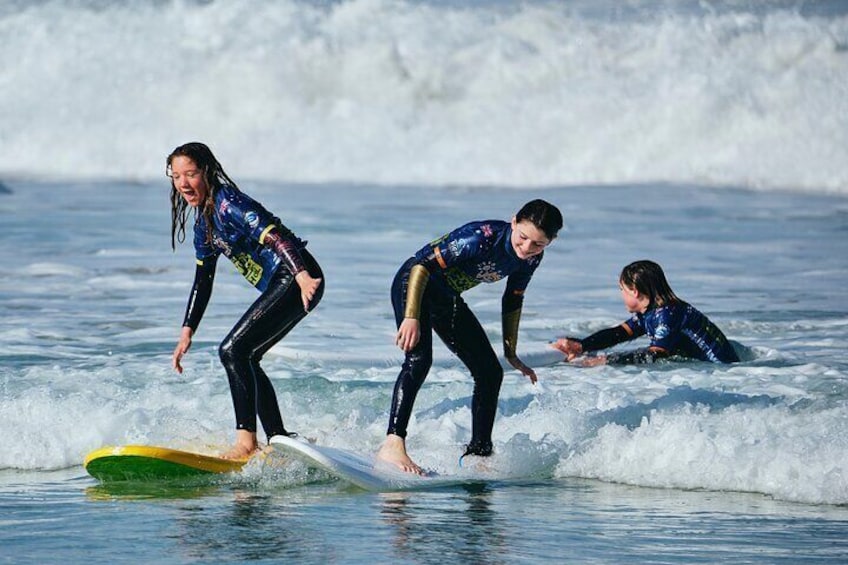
<point>269,256</point>
<point>674,327</point>
<point>426,296</point>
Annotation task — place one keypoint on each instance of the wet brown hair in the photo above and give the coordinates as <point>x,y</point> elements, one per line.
<point>544,215</point>
<point>649,279</point>
<point>215,177</point>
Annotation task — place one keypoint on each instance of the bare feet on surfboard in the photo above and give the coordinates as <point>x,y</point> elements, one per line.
<point>245,447</point>
<point>393,451</point>
<point>238,452</point>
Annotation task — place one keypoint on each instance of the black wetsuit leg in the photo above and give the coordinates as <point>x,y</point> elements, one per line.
<point>460,330</point>
<point>266,322</point>
<point>417,361</point>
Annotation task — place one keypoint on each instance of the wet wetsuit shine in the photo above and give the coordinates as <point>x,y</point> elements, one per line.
<point>677,329</point>
<point>269,256</point>
<point>475,253</point>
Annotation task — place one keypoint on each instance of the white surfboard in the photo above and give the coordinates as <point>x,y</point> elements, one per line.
<point>363,471</point>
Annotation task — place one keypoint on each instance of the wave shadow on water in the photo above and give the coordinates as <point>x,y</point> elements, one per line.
<point>506,406</point>
<point>632,416</point>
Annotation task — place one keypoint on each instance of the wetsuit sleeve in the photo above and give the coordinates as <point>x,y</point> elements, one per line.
<point>285,248</point>
<point>430,260</point>
<point>204,276</point>
<point>418,277</point>
<point>511,304</point>
<point>637,357</point>
<point>608,337</point>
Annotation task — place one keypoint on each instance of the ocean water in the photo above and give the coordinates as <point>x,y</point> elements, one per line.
<point>708,137</point>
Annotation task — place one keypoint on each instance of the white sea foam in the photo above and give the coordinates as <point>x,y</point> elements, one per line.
<point>768,450</point>
<point>482,93</point>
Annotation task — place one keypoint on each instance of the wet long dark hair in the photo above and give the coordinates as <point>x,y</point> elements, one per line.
<point>648,278</point>
<point>215,177</point>
<point>543,215</point>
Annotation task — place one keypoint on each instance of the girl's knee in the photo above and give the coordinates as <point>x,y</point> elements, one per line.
<point>229,352</point>
<point>489,374</point>
<point>225,350</point>
<point>490,365</point>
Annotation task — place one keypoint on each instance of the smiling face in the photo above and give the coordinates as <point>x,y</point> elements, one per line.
<point>188,180</point>
<point>527,240</point>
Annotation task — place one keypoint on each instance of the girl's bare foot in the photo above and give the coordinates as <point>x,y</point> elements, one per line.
<point>393,451</point>
<point>246,446</point>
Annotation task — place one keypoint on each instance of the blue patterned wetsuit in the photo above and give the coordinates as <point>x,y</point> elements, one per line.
<point>240,226</point>
<point>269,256</point>
<point>478,252</point>
<point>677,329</point>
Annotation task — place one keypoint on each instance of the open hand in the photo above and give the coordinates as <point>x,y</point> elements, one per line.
<point>524,369</point>
<point>569,346</point>
<point>590,361</point>
<point>183,345</point>
<point>308,288</point>
<point>408,334</point>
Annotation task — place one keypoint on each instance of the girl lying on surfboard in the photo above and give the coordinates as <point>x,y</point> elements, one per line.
<point>674,327</point>
<point>426,296</point>
<point>269,256</point>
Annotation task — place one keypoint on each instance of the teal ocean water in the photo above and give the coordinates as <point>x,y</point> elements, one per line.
<point>681,463</point>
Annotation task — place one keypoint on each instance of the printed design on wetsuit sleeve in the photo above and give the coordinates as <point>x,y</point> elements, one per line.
<point>435,243</point>
<point>456,246</point>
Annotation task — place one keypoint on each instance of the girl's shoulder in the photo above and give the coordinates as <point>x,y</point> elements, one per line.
<point>486,228</point>
<point>670,311</point>
<point>230,202</point>
<point>227,194</point>
<point>486,232</point>
<point>673,306</point>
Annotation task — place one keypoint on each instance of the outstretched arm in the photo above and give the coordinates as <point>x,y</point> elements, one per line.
<point>638,356</point>
<point>511,304</point>
<point>574,347</point>
<point>201,291</point>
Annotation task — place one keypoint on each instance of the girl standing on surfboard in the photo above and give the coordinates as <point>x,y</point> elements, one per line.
<point>269,256</point>
<point>426,296</point>
<point>674,327</point>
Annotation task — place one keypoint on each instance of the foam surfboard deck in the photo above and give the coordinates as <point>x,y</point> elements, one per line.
<point>145,462</point>
<point>361,470</point>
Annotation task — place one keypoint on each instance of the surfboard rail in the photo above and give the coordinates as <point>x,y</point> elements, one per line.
<point>140,462</point>
<point>363,471</point>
